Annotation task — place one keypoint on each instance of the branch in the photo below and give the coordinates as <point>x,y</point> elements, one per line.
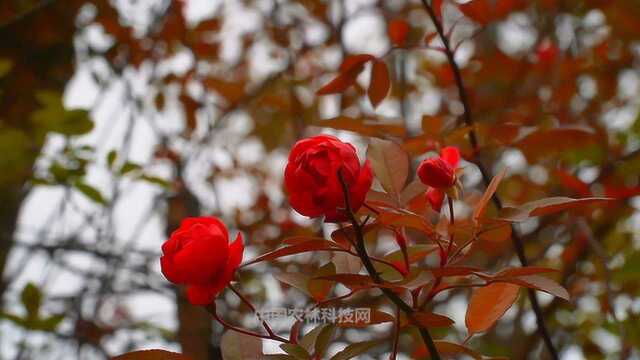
<point>211,309</point>
<point>473,140</point>
<point>366,260</point>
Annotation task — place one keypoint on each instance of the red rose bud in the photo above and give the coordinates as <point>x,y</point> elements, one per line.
<point>436,173</point>
<point>311,177</point>
<point>198,255</point>
<point>439,172</point>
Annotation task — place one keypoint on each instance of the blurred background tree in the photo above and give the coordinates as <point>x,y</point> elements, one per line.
<point>120,118</point>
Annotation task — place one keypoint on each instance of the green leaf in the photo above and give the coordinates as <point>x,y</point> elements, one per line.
<point>156,181</point>
<point>236,346</point>
<point>355,349</point>
<point>309,339</point>
<point>630,270</point>
<point>111,158</point>
<point>323,340</point>
<point>54,117</point>
<point>31,298</point>
<point>5,67</point>
<point>48,324</point>
<point>296,351</point>
<point>129,167</point>
<point>90,192</point>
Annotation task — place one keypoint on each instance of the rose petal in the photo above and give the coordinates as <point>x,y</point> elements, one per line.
<point>451,155</point>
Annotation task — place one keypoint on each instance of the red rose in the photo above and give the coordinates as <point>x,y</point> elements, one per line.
<point>439,173</point>
<point>311,177</point>
<point>198,255</point>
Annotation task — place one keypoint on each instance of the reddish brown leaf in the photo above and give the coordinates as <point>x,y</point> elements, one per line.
<point>496,234</point>
<point>390,163</point>
<point>429,320</point>
<point>521,271</point>
<point>540,283</point>
<point>454,271</point>
<point>364,127</point>
<point>547,206</point>
<point>413,221</point>
<point>375,317</point>
<point>319,289</point>
<point>380,83</point>
<point>488,304</point>
<point>312,245</point>
<point>573,182</point>
<point>398,31</point>
<point>341,83</point>
<point>550,142</point>
<point>491,189</point>
<point>350,68</point>
<point>350,280</point>
<point>154,354</point>
<point>355,61</point>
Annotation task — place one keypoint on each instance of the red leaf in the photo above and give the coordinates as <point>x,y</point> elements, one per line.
<point>437,8</point>
<point>350,68</point>
<point>380,84</point>
<point>341,83</point>
<point>477,10</point>
<point>502,8</point>
<point>572,182</point>
<point>355,61</point>
<point>488,304</point>
<point>398,31</point>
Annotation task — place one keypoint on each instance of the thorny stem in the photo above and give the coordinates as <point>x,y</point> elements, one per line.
<point>473,140</point>
<point>366,260</point>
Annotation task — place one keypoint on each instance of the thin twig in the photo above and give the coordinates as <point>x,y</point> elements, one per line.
<point>473,140</point>
<point>211,309</point>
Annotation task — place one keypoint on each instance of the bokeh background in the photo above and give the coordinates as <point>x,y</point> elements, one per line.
<point>119,118</point>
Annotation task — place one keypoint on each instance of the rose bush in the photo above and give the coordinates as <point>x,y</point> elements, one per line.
<point>311,177</point>
<point>198,255</point>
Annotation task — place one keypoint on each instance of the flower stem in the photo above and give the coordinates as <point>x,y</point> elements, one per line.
<point>362,252</point>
